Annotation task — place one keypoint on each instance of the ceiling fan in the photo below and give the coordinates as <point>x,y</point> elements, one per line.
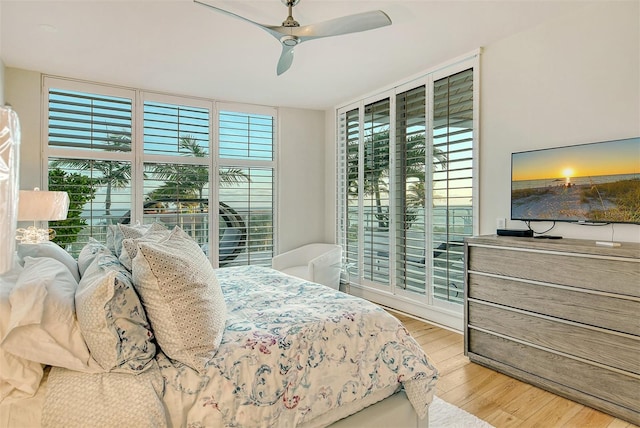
<point>290,33</point>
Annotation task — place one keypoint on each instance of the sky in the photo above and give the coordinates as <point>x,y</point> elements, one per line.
<point>605,158</point>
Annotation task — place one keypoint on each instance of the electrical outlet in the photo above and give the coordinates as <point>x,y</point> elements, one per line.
<point>501,223</point>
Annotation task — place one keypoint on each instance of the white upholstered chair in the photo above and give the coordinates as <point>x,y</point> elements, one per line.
<point>321,263</point>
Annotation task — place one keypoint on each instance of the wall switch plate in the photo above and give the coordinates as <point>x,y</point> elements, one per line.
<point>501,223</point>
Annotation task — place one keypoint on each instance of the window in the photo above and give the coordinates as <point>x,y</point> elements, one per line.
<point>410,200</point>
<point>247,182</point>
<point>452,182</point>
<point>406,194</point>
<point>375,194</point>
<point>164,170</point>
<point>175,174</point>
<point>91,158</point>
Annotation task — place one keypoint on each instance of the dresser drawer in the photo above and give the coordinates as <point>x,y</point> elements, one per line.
<point>574,305</point>
<point>612,275</point>
<point>617,392</point>
<point>611,349</point>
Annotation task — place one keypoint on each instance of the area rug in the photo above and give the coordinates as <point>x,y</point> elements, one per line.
<point>445,415</point>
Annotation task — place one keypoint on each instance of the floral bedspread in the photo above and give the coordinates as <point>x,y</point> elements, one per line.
<point>292,351</point>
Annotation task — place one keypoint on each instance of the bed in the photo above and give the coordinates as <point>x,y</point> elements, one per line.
<point>142,331</point>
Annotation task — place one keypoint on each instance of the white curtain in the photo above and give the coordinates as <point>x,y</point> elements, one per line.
<point>9,187</point>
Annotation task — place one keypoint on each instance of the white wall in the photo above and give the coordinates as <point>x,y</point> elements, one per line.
<point>572,80</point>
<point>301,186</point>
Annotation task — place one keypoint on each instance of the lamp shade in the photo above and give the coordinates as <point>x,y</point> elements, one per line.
<point>38,205</point>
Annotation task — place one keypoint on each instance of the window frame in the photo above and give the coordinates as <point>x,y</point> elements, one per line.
<point>395,296</point>
<point>138,158</point>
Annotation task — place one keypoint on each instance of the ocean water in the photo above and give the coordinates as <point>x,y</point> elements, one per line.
<point>576,181</point>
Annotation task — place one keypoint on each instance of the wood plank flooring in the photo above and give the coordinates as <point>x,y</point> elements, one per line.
<point>496,398</point>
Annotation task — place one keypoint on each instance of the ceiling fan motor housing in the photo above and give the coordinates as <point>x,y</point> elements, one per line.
<point>289,40</point>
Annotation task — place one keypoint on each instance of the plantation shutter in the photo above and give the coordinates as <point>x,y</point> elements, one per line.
<point>79,124</point>
<point>452,195</point>
<point>246,190</point>
<point>410,190</point>
<point>166,126</point>
<point>347,206</point>
<point>245,136</point>
<point>176,149</point>
<point>84,121</point>
<point>375,246</point>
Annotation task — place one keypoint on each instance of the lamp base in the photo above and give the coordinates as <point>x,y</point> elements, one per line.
<point>34,235</point>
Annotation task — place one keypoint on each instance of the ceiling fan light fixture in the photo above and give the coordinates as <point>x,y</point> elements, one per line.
<point>289,40</point>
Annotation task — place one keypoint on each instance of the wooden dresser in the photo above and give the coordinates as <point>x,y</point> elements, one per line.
<point>563,315</point>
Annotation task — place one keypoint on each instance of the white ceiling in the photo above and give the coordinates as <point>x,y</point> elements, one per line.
<point>180,47</point>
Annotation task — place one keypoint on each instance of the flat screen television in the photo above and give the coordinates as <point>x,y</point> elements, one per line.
<point>585,183</point>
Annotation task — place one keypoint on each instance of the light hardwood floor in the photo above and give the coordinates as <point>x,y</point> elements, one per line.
<point>496,398</point>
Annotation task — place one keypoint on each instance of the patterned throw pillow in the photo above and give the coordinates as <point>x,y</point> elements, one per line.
<point>182,298</point>
<point>116,233</point>
<point>132,236</point>
<point>111,317</point>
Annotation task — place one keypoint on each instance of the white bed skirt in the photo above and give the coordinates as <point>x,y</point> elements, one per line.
<point>395,411</point>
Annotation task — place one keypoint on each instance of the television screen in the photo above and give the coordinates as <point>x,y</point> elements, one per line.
<point>592,183</point>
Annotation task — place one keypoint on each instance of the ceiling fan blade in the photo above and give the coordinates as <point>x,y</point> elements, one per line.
<point>344,25</point>
<point>270,29</point>
<point>286,58</point>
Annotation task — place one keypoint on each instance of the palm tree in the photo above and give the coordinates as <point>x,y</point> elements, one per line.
<point>376,170</point>
<point>81,189</point>
<point>115,175</point>
<point>189,181</point>
<point>415,168</point>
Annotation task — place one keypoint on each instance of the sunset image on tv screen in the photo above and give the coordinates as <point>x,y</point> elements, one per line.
<point>598,182</point>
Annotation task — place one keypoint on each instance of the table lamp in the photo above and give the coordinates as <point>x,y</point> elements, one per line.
<point>36,205</point>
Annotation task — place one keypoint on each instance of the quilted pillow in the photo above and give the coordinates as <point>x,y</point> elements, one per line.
<point>43,325</point>
<point>107,400</point>
<point>111,317</point>
<point>182,298</point>
<point>52,250</point>
<point>132,236</point>
<point>19,378</point>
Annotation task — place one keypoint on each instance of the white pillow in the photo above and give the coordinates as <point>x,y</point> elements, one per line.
<point>112,319</point>
<point>19,378</point>
<point>182,298</point>
<point>49,249</point>
<point>88,254</point>
<point>43,325</point>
